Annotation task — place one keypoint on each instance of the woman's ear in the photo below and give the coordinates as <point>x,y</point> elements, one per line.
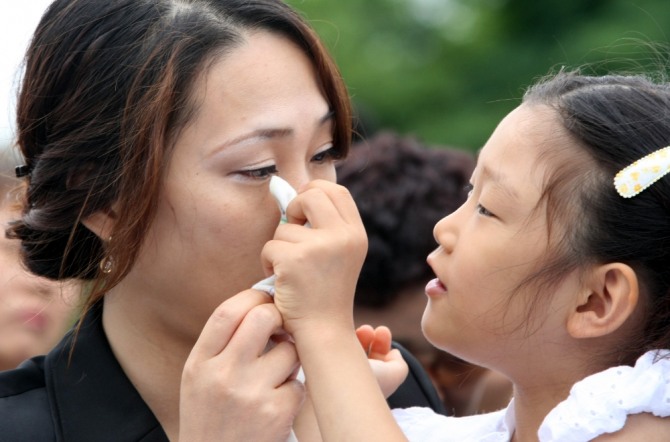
<point>609,297</point>
<point>101,222</point>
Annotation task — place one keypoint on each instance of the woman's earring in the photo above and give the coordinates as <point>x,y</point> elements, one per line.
<point>107,263</point>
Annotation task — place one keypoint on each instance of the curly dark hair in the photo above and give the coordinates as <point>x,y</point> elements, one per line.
<point>402,188</point>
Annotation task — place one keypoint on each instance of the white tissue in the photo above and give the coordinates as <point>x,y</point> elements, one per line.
<point>283,193</point>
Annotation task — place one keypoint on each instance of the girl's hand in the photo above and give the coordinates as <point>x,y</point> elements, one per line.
<point>317,267</point>
<point>388,365</point>
<point>316,271</point>
<point>233,388</point>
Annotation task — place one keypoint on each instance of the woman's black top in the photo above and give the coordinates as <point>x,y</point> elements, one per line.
<point>84,395</point>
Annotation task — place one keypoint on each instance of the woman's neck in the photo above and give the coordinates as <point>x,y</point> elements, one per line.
<point>150,354</point>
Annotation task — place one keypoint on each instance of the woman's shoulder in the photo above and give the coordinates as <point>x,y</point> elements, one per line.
<point>417,390</point>
<point>24,403</point>
<point>29,376</point>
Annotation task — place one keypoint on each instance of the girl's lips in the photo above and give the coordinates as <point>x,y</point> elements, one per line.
<point>435,288</point>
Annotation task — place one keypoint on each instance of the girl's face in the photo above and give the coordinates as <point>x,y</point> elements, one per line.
<point>491,244</point>
<point>260,112</point>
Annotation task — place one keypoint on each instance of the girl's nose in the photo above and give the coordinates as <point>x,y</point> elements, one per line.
<point>445,232</point>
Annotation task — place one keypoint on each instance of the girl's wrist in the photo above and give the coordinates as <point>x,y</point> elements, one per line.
<point>320,333</point>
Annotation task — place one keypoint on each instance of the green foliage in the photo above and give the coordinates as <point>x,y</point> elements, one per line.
<point>449,70</point>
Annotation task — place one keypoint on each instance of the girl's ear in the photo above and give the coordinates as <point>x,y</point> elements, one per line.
<point>610,295</point>
<point>101,222</point>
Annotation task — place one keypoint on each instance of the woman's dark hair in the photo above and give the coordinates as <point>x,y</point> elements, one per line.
<point>107,89</point>
<point>613,121</point>
<point>402,189</point>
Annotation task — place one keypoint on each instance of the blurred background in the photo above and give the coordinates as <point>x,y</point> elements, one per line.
<point>17,23</point>
<point>448,70</point>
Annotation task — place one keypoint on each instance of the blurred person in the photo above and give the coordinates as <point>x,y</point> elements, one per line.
<point>402,188</point>
<point>35,312</point>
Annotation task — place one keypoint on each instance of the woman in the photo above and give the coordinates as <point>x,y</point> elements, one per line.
<point>150,130</point>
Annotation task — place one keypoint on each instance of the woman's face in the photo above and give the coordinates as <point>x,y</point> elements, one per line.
<point>491,244</point>
<point>34,312</point>
<point>260,111</point>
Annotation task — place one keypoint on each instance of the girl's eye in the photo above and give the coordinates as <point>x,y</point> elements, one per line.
<point>483,211</point>
<point>260,173</point>
<point>330,154</point>
<point>480,209</point>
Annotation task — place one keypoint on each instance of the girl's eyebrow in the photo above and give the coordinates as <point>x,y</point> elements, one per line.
<point>500,182</point>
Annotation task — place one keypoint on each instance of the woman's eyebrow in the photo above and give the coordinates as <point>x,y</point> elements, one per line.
<point>265,133</point>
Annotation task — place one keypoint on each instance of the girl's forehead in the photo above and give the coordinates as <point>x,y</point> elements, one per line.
<point>528,131</point>
<point>519,154</point>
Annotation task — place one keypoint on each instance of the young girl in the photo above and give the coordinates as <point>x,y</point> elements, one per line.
<point>553,272</point>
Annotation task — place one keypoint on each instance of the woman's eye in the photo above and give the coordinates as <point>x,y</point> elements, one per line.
<point>329,154</point>
<point>483,211</point>
<point>260,173</point>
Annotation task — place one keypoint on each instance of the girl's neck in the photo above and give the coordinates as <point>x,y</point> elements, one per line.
<point>530,409</point>
<point>543,387</point>
<point>149,354</point>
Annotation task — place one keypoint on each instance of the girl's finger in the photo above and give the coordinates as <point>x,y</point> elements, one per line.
<point>320,202</point>
<point>365,334</point>
<point>381,344</point>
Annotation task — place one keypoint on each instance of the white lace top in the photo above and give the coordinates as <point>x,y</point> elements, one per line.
<point>598,404</point>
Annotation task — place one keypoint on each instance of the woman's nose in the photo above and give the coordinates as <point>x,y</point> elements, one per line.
<point>296,176</point>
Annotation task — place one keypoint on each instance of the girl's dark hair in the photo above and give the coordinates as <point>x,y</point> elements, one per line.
<point>107,88</point>
<point>614,121</point>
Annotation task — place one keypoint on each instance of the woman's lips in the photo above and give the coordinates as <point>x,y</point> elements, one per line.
<point>435,288</point>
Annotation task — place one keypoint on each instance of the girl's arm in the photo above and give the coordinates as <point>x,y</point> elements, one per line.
<point>388,366</point>
<point>316,271</point>
<point>348,403</point>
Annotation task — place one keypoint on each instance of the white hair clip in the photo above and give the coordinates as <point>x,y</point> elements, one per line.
<point>633,179</point>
